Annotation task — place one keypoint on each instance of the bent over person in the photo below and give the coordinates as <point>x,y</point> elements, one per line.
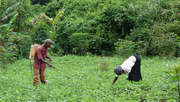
<point>39,64</point>
<point>131,67</point>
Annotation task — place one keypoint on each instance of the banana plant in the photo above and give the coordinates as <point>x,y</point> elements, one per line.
<point>57,18</point>
<point>5,27</point>
<point>54,21</point>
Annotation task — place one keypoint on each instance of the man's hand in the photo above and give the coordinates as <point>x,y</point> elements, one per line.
<point>50,65</point>
<point>115,79</point>
<point>50,59</point>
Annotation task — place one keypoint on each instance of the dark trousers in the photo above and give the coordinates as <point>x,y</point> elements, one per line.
<point>135,74</point>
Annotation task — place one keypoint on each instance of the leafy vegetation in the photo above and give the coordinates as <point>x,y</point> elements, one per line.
<point>89,78</point>
<point>135,21</point>
<point>152,26</point>
<point>14,35</point>
<point>90,27</point>
<point>174,79</point>
<point>42,2</point>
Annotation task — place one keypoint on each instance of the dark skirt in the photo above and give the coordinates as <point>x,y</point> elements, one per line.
<point>135,74</point>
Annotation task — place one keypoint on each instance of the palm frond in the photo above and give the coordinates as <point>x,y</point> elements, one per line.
<point>10,14</point>
<point>14,33</point>
<point>6,17</point>
<point>4,25</point>
<point>27,2</point>
<point>9,9</point>
<point>13,18</point>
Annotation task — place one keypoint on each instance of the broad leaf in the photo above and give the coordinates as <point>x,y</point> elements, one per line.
<point>10,9</point>
<point>4,25</point>
<point>7,28</point>
<point>57,17</point>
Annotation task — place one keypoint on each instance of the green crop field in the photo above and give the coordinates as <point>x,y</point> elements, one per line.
<point>89,79</point>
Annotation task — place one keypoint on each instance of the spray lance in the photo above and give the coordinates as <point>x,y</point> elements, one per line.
<point>54,68</point>
<point>44,68</point>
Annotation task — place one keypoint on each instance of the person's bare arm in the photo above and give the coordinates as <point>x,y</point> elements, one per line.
<point>115,79</point>
<point>49,58</point>
<point>50,65</point>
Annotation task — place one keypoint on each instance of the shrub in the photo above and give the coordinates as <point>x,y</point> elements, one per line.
<point>125,47</point>
<point>164,44</point>
<point>113,22</point>
<point>42,2</point>
<point>63,34</point>
<point>7,55</point>
<point>95,44</point>
<point>106,24</point>
<point>139,34</point>
<point>23,45</point>
<point>80,42</point>
<point>104,65</point>
<point>41,33</point>
<point>52,7</point>
<point>173,27</point>
<point>178,49</point>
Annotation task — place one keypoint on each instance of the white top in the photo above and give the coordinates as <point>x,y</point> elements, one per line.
<point>128,64</point>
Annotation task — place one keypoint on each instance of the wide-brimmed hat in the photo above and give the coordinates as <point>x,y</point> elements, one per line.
<point>118,70</point>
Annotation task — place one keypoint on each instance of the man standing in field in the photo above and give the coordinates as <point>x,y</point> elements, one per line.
<point>39,64</point>
<point>131,67</point>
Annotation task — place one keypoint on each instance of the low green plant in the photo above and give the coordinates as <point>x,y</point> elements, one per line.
<point>79,78</point>
<point>104,65</point>
<point>7,55</point>
<point>173,74</point>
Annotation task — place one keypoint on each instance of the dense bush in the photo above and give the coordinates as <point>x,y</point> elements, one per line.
<point>80,42</point>
<point>113,20</point>
<point>95,44</point>
<point>173,27</point>
<point>164,44</point>
<point>42,2</point>
<point>14,36</point>
<point>127,48</point>
<point>109,24</point>
<point>41,33</point>
<point>52,8</point>
<point>146,24</point>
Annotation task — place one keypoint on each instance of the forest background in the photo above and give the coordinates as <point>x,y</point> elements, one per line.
<point>98,27</point>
